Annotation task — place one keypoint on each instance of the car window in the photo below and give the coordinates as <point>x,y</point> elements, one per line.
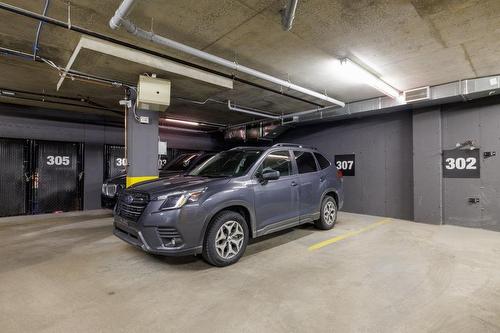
<point>277,161</point>
<point>181,163</point>
<point>305,162</point>
<point>322,160</point>
<point>201,160</point>
<point>231,163</point>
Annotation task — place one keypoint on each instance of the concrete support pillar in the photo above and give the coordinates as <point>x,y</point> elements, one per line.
<point>427,171</point>
<point>142,146</point>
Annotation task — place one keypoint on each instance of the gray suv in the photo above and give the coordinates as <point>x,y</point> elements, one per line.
<point>238,194</point>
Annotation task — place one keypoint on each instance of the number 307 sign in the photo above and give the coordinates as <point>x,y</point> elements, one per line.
<point>461,163</point>
<point>346,163</point>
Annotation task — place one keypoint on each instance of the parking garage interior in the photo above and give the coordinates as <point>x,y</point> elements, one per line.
<point>110,108</point>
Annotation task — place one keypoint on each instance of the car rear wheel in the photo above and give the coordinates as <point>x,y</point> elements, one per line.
<point>226,239</point>
<point>328,216</point>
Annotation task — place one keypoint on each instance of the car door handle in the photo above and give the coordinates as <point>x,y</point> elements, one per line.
<point>294,183</point>
<point>322,179</point>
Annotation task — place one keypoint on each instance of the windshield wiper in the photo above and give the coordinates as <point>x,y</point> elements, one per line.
<point>214,176</point>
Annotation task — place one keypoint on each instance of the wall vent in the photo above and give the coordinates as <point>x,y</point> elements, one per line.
<point>418,94</point>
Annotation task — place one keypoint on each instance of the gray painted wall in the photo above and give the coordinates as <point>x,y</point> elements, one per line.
<point>399,162</point>
<point>383,147</point>
<point>427,171</point>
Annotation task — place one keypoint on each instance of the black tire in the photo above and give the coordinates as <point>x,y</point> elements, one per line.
<point>326,221</point>
<point>211,253</point>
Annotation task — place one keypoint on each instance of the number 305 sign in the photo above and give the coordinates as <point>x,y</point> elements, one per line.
<point>458,163</point>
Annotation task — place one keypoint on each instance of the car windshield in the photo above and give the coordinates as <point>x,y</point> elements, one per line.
<point>181,163</point>
<point>231,163</point>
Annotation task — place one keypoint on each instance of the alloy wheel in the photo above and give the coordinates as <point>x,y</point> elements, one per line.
<point>329,213</point>
<point>229,239</point>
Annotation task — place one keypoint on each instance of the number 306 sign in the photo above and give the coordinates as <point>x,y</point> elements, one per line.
<point>461,163</point>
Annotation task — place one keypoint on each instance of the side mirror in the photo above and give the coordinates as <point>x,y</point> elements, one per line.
<point>268,175</point>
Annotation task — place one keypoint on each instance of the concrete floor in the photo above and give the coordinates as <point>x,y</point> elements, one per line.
<point>67,273</point>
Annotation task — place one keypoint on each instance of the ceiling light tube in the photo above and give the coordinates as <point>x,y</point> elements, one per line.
<point>184,122</point>
<point>7,93</point>
<point>369,78</point>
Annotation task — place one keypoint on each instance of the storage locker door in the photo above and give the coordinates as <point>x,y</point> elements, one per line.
<point>57,185</point>
<point>12,177</point>
<point>490,168</point>
<point>459,192</point>
<point>115,161</point>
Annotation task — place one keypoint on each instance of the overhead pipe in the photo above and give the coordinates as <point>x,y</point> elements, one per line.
<point>288,14</point>
<point>151,36</point>
<point>250,111</point>
<point>83,31</point>
<point>39,30</point>
<point>122,11</point>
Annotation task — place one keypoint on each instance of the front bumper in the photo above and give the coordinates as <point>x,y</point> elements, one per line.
<point>146,233</point>
<point>108,202</point>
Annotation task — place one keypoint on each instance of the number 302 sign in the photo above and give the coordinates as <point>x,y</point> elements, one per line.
<point>460,163</point>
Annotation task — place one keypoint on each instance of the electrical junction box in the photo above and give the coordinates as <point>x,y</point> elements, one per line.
<point>153,94</point>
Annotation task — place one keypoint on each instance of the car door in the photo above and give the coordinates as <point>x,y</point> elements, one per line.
<point>309,185</point>
<point>276,201</point>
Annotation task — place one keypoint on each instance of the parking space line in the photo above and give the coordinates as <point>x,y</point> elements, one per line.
<point>335,239</point>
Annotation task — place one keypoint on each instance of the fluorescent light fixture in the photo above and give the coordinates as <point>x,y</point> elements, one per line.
<point>143,58</point>
<point>363,75</point>
<point>7,93</point>
<point>184,122</point>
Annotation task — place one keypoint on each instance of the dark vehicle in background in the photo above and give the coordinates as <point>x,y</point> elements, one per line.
<point>236,195</point>
<point>179,165</point>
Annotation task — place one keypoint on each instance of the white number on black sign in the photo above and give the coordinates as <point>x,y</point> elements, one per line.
<point>162,162</point>
<point>345,165</point>
<point>58,160</point>
<point>121,162</point>
<point>461,163</point>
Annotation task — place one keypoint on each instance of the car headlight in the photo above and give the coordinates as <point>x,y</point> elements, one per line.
<point>109,190</point>
<point>179,199</point>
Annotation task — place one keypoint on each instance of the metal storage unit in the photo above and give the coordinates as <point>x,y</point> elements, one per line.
<point>57,176</point>
<point>473,201</point>
<point>14,178</point>
<point>114,161</point>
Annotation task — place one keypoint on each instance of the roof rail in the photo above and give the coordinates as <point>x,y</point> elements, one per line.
<point>294,145</point>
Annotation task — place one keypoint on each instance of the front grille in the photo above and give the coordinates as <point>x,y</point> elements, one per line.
<point>133,210</point>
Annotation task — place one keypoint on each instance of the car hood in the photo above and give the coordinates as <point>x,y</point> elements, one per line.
<point>174,184</point>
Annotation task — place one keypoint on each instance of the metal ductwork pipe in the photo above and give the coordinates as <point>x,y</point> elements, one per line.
<point>119,20</point>
<point>122,12</point>
<point>288,15</point>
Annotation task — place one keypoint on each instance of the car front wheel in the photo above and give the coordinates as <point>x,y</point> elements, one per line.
<point>226,239</point>
<point>328,214</point>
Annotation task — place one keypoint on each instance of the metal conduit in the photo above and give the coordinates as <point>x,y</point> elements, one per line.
<point>125,8</point>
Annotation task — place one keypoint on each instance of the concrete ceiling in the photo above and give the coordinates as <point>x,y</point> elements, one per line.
<point>408,43</point>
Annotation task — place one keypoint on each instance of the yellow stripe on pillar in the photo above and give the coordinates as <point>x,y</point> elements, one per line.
<point>134,180</point>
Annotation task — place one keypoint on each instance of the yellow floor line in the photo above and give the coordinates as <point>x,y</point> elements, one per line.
<point>335,239</point>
